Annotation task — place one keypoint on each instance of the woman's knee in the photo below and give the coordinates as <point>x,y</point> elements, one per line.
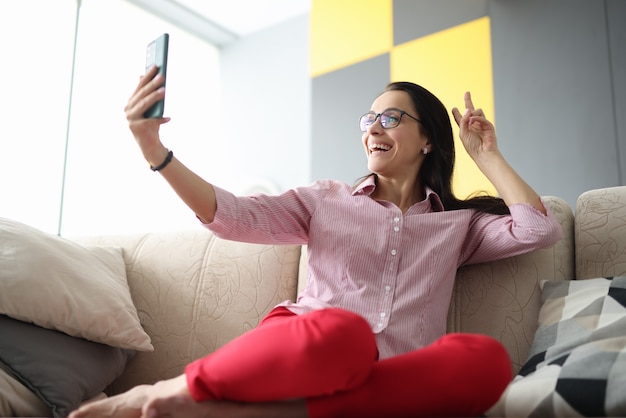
<point>484,366</point>
<point>481,352</point>
<point>343,340</point>
<point>342,330</point>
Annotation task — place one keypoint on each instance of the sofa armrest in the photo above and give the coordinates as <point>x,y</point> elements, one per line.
<point>600,233</point>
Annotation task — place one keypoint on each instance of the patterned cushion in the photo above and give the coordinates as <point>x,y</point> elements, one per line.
<point>577,362</point>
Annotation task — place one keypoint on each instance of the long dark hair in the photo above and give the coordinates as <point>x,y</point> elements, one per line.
<point>438,167</point>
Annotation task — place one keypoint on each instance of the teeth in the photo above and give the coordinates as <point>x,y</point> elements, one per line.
<point>379,147</point>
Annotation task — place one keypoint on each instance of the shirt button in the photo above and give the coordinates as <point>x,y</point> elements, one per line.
<point>396,219</point>
<point>387,288</point>
<point>396,228</point>
<point>393,252</point>
<point>382,314</point>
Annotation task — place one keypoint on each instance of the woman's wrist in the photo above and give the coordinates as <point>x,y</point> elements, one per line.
<point>157,156</point>
<point>165,162</point>
<point>490,161</point>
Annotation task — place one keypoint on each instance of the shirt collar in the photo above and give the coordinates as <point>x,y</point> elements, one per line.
<point>367,187</point>
<point>435,200</point>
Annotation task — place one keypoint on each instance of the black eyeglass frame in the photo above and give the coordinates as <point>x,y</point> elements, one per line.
<point>378,115</point>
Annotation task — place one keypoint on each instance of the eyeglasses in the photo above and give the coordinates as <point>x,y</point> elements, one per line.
<point>388,119</point>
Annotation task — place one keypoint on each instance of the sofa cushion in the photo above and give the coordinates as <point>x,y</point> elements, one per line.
<point>577,362</point>
<point>62,371</point>
<point>59,284</point>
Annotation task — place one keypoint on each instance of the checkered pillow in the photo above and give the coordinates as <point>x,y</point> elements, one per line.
<point>577,362</point>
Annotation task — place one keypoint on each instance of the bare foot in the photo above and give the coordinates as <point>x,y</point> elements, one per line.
<point>125,405</point>
<point>172,399</point>
<point>167,392</point>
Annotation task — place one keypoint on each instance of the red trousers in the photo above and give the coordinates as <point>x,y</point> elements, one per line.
<point>329,358</point>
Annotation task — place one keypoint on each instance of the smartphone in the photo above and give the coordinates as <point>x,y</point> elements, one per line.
<point>156,54</point>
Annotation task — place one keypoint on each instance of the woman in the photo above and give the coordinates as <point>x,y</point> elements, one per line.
<point>366,338</point>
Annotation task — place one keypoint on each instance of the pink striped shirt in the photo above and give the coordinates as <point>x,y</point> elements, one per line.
<point>396,270</point>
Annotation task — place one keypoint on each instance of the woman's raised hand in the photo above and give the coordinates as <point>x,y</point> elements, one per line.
<point>477,133</point>
<point>146,130</point>
<point>479,138</point>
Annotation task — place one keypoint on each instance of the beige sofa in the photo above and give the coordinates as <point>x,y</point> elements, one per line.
<point>194,291</point>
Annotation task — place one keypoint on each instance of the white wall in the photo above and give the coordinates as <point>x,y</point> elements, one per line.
<point>266,102</point>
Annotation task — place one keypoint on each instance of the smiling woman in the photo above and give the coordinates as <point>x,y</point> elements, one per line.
<point>401,235</point>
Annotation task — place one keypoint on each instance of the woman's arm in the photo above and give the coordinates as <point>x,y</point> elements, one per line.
<point>479,138</point>
<point>198,194</point>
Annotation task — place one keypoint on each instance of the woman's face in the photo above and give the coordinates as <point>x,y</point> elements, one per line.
<point>398,151</point>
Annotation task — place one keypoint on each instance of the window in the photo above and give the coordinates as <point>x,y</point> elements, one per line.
<point>36,77</point>
<point>107,188</point>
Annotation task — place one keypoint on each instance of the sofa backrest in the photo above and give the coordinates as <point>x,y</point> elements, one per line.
<point>600,233</point>
<point>502,298</point>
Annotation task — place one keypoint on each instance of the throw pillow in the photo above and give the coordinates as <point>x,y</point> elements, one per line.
<point>63,371</point>
<point>58,284</point>
<point>577,361</point>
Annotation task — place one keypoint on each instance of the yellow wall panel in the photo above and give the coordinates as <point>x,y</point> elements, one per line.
<point>344,32</point>
<point>449,63</point>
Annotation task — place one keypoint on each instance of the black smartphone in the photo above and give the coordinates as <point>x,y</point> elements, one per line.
<point>156,54</point>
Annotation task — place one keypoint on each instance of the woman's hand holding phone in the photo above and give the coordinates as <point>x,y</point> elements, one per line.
<point>149,91</point>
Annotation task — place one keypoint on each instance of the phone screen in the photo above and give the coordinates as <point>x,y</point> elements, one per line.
<point>156,54</point>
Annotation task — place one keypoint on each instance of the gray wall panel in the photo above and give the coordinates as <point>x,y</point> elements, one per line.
<point>416,18</point>
<point>553,94</point>
<point>343,96</point>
